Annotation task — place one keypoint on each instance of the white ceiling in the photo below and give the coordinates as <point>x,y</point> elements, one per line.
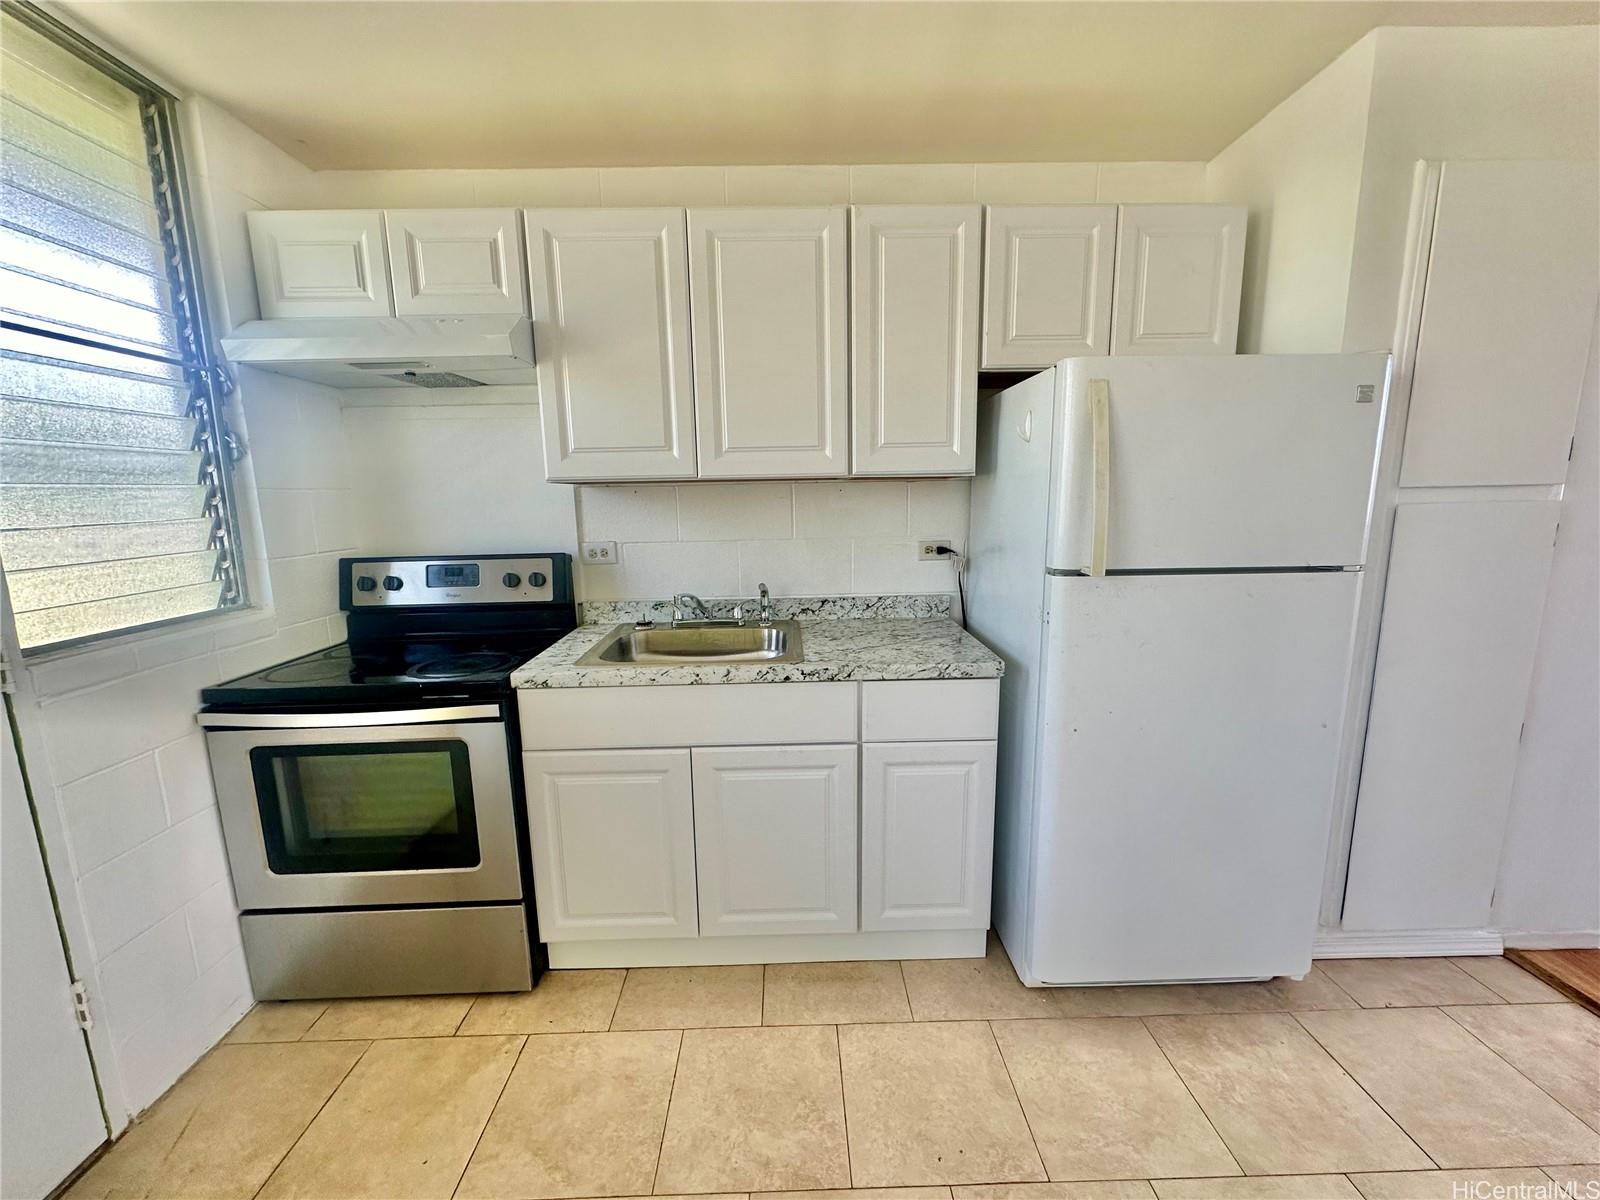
<point>452,83</point>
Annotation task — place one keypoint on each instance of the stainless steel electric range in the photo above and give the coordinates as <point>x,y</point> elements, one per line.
<point>370,793</point>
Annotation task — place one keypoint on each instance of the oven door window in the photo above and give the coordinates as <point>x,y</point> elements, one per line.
<point>404,806</point>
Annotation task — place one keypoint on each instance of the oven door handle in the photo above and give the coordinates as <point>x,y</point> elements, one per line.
<point>346,720</point>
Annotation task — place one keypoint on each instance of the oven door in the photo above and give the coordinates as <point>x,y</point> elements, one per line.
<point>327,810</point>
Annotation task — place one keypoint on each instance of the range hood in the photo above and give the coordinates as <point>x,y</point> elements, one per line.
<point>387,352</point>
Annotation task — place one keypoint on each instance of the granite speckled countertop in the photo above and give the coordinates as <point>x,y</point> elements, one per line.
<point>834,647</point>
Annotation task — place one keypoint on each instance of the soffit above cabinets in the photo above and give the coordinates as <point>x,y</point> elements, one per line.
<point>445,84</point>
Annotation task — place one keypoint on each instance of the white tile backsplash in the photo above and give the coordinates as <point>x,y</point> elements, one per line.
<point>789,185</point>
<point>287,521</point>
<point>634,187</point>
<point>735,511</point>
<point>798,538</point>
<point>1037,183</point>
<point>1151,183</point>
<point>850,508</point>
<point>913,183</point>
<point>155,879</point>
<point>213,924</point>
<point>185,777</point>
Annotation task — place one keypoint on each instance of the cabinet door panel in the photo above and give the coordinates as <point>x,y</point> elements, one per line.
<point>320,264</point>
<point>775,839</point>
<point>1506,322</point>
<point>1047,283</point>
<point>914,340</point>
<point>1180,268</point>
<point>1461,615</point>
<point>610,293</point>
<point>613,844</point>
<point>770,346</point>
<point>456,261</point>
<point>927,835</point>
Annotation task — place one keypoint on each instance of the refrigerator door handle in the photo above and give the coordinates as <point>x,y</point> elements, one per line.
<point>1100,414</point>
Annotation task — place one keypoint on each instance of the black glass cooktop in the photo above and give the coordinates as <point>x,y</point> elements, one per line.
<point>401,671</point>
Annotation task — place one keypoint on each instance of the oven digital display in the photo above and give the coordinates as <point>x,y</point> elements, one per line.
<point>452,575</point>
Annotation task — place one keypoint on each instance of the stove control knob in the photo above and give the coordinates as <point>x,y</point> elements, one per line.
<point>366,583</point>
<point>511,579</point>
<point>393,583</point>
<point>536,579</point>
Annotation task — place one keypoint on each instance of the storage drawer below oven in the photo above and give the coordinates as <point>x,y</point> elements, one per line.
<point>387,952</point>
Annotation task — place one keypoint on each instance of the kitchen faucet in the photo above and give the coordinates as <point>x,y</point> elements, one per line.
<point>764,608</point>
<point>688,606</point>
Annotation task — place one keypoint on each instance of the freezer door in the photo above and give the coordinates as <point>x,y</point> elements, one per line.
<point>1188,744</point>
<point>1235,461</point>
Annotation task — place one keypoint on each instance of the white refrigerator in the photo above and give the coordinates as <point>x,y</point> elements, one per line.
<point>1167,552</point>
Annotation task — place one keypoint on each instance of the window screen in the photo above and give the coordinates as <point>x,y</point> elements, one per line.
<point>114,499</point>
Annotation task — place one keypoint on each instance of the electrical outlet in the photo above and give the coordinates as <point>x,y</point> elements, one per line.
<point>598,553</point>
<point>929,547</point>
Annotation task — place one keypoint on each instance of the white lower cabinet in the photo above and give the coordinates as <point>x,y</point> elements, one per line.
<point>613,843</point>
<point>927,834</point>
<point>775,839</point>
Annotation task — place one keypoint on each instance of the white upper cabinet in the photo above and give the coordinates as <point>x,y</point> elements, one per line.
<point>775,839</point>
<point>1180,268</point>
<point>1047,283</point>
<point>610,292</point>
<point>320,264</point>
<point>451,262</point>
<point>771,353</point>
<point>1506,321</point>
<point>914,339</point>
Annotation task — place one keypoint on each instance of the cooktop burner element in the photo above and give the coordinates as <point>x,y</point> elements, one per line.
<point>422,630</point>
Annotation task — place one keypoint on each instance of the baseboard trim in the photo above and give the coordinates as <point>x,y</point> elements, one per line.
<point>1565,939</point>
<point>770,948</point>
<point>1404,943</point>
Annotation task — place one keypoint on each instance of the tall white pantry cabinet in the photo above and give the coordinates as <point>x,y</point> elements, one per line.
<point>1499,352</point>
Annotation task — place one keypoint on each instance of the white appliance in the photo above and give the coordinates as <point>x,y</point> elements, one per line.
<point>365,352</point>
<point>1172,582</point>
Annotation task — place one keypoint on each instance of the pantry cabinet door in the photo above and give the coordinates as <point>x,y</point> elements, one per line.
<point>927,834</point>
<point>610,294</point>
<point>1180,269</point>
<point>775,839</point>
<point>1047,283</point>
<point>320,264</point>
<point>914,339</point>
<point>1506,321</point>
<point>612,833</point>
<point>456,262</point>
<point>771,354</point>
<point>1461,615</point>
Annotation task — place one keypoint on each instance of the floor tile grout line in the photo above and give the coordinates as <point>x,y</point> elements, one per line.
<point>326,1100</point>
<point>1144,1023</point>
<point>489,1116</point>
<point>1017,1096</point>
<point>1470,1033</point>
<point>1333,983</point>
<point>844,1107</point>
<point>666,1117</point>
<point>465,1013</point>
<point>1350,1075</point>
<point>617,1003</point>
<point>905,990</point>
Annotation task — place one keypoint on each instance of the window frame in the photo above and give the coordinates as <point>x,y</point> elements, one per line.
<point>210,382</point>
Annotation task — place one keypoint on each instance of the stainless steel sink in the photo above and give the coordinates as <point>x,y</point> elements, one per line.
<point>689,645</point>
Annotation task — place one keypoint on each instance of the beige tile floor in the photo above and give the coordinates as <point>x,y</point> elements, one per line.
<point>1394,1079</point>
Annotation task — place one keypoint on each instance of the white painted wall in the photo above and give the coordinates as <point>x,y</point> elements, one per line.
<point>1549,886</point>
<point>1298,170</point>
<point>120,758</point>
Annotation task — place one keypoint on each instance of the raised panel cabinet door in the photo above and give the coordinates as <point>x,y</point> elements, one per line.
<point>914,339</point>
<point>1047,283</point>
<point>456,262</point>
<point>1461,615</point>
<point>610,295</point>
<point>775,839</point>
<point>927,834</point>
<point>1506,320</point>
<point>771,349</point>
<point>320,264</point>
<point>1180,268</point>
<point>613,843</point>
